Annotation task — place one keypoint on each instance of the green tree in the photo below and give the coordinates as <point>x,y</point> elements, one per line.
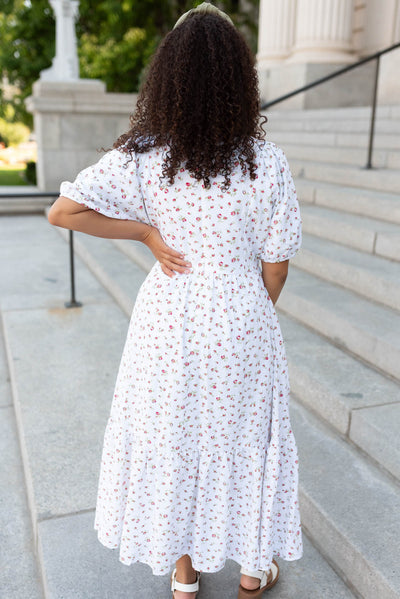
<point>115,39</point>
<point>27,41</point>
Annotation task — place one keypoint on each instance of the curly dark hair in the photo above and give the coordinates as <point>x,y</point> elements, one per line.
<point>200,99</point>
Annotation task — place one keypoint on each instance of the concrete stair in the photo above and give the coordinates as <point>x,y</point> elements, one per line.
<point>29,205</point>
<point>347,408</point>
<point>366,329</point>
<point>362,202</point>
<point>370,276</point>
<point>62,365</point>
<point>341,322</point>
<point>340,317</point>
<point>359,232</point>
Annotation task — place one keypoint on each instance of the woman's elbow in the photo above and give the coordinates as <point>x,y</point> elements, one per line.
<point>53,215</point>
<point>283,276</point>
<point>57,215</point>
<point>277,271</point>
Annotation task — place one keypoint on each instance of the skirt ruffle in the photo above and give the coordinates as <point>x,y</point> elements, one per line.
<point>213,505</point>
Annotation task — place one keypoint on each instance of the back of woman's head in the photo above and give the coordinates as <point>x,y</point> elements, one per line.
<point>200,99</point>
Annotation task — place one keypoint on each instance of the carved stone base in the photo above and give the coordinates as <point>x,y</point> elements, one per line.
<point>72,120</point>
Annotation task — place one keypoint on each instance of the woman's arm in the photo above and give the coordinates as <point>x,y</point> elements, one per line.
<point>274,275</point>
<point>68,214</point>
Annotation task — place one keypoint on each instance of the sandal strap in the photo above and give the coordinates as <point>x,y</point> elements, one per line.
<point>274,570</point>
<point>253,573</point>
<point>256,574</point>
<point>266,577</point>
<point>186,588</point>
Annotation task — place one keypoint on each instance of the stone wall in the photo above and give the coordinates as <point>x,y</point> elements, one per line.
<point>72,120</point>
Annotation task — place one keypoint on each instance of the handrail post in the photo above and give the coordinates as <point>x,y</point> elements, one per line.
<point>73,303</point>
<point>373,111</point>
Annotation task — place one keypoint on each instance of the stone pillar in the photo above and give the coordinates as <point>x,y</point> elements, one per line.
<point>276,31</point>
<point>323,32</point>
<point>72,121</point>
<point>320,42</point>
<point>65,65</point>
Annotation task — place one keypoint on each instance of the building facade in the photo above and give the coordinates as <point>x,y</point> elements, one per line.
<point>302,40</point>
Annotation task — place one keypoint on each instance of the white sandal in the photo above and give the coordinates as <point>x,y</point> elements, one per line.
<point>267,580</point>
<point>186,588</point>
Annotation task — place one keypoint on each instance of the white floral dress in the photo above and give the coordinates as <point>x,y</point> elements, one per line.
<point>199,456</point>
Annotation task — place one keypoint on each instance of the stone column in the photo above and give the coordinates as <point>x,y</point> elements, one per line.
<point>276,31</point>
<point>323,32</point>
<point>65,65</point>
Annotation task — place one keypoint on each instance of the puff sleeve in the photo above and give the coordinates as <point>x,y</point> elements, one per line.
<point>282,229</point>
<point>111,186</point>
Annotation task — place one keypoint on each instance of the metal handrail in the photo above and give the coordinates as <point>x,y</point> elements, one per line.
<point>376,56</point>
<point>73,303</point>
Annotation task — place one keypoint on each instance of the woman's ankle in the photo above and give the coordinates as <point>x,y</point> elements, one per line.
<point>249,582</point>
<point>185,573</point>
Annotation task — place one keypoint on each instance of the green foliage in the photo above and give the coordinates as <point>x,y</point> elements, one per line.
<point>27,41</point>
<point>118,64</point>
<point>115,39</point>
<point>30,172</point>
<point>13,134</point>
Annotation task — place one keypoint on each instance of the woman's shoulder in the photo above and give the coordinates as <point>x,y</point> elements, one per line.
<point>269,148</point>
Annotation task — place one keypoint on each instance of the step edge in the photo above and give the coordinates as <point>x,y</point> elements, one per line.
<point>339,278</point>
<point>286,308</point>
<point>319,519</point>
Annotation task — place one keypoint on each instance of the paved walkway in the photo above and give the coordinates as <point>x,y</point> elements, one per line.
<point>57,373</point>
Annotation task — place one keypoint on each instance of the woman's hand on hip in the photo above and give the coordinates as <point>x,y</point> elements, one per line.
<point>170,259</point>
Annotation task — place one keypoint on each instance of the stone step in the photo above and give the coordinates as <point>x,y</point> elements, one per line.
<point>386,180</point>
<point>103,258</point>
<point>346,124</point>
<point>388,111</point>
<point>382,141</point>
<point>358,232</point>
<point>19,576</point>
<point>393,161</point>
<point>372,277</point>
<point>67,441</point>
<point>337,155</point>
<point>361,404</point>
<point>62,417</point>
<point>364,202</point>
<point>347,534</point>
<point>349,508</point>
<point>27,205</point>
<point>377,572</point>
<point>369,331</point>
<point>100,574</point>
<point>10,206</point>
<point>47,282</point>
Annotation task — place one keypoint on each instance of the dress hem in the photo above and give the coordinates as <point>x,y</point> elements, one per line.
<point>158,572</point>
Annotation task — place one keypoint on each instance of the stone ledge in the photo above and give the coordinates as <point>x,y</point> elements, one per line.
<point>91,570</point>
<point>349,508</point>
<point>371,277</point>
<point>81,96</point>
<point>361,327</point>
<point>62,410</point>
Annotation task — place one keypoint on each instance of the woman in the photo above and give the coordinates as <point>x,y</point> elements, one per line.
<point>199,461</point>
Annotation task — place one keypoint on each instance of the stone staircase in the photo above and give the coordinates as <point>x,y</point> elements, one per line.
<point>340,317</point>
<point>341,321</point>
<point>61,365</point>
<point>342,328</point>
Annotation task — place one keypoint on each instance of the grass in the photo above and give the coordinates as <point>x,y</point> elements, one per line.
<point>12,175</point>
